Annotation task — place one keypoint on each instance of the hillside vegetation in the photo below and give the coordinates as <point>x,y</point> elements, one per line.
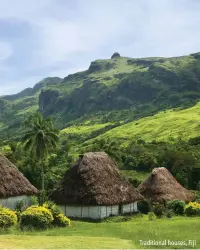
<point>144,113</point>
<point>168,125</point>
<point>115,90</point>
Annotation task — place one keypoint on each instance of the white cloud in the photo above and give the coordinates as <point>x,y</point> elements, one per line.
<point>5,50</point>
<point>23,9</point>
<point>74,32</point>
<point>139,28</point>
<point>169,29</point>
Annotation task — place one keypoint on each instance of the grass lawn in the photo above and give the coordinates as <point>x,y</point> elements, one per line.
<point>113,233</point>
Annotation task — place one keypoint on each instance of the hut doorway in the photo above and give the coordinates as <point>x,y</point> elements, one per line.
<point>120,209</point>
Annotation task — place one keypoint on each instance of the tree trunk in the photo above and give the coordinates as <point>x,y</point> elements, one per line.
<point>42,175</point>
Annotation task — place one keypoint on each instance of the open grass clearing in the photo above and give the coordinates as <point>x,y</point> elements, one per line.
<point>113,233</point>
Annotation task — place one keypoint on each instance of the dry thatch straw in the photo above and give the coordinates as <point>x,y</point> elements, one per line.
<point>161,186</point>
<point>94,180</point>
<point>12,182</point>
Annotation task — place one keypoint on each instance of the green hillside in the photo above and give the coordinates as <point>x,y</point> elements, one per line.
<point>164,126</point>
<point>142,112</point>
<point>84,132</point>
<point>15,108</point>
<point>117,90</point>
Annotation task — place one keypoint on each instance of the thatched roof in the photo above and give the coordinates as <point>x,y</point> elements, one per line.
<point>94,180</point>
<point>162,186</point>
<point>12,181</point>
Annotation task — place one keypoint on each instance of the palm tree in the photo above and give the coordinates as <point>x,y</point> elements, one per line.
<point>40,139</point>
<point>111,147</point>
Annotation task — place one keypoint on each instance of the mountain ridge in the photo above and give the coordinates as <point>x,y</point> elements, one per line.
<point>29,91</point>
<point>111,90</point>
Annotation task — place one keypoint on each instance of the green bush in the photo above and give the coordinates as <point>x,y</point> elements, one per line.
<point>52,207</point>
<point>34,201</point>
<point>59,219</point>
<point>192,209</point>
<point>20,206</point>
<point>169,214</point>
<point>144,206</point>
<point>159,210</point>
<point>151,216</point>
<point>36,217</point>
<point>196,194</point>
<point>18,215</point>
<point>8,218</point>
<point>177,206</point>
<point>134,181</point>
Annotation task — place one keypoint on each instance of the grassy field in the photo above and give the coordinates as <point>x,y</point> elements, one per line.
<point>160,127</point>
<point>114,233</point>
<point>164,126</point>
<point>84,129</point>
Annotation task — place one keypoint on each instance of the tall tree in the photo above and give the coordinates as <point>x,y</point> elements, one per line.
<point>40,139</point>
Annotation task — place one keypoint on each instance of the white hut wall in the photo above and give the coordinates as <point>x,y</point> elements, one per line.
<point>129,208</point>
<point>97,212</point>
<point>11,202</point>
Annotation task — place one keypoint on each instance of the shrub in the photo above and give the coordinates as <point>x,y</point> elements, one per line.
<point>177,206</point>
<point>20,206</point>
<point>139,215</point>
<point>159,210</point>
<point>52,207</point>
<point>151,216</point>
<point>144,206</point>
<point>169,214</point>
<point>36,217</point>
<point>34,201</point>
<point>196,194</point>
<point>134,181</point>
<point>18,214</point>
<point>59,219</point>
<point>8,218</point>
<point>192,209</point>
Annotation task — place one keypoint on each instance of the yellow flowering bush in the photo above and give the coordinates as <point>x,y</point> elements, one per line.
<point>8,218</point>
<point>37,217</point>
<point>61,220</point>
<point>192,209</point>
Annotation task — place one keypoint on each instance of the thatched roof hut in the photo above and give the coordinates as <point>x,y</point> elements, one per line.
<point>12,182</point>
<point>162,186</point>
<point>94,180</point>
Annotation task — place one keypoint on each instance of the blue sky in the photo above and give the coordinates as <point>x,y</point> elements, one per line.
<point>41,38</point>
